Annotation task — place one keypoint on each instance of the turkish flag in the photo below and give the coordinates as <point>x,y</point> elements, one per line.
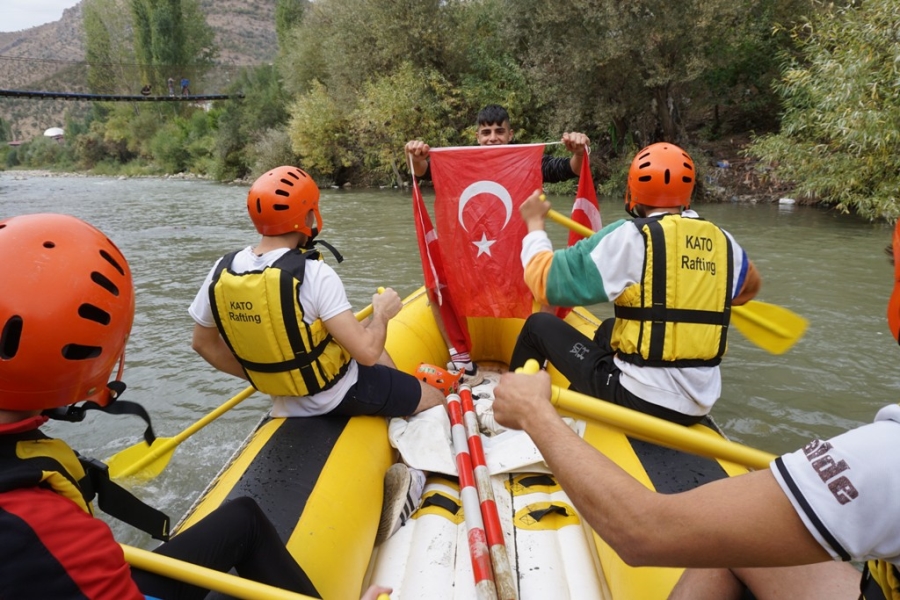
<point>478,192</point>
<point>435,278</point>
<point>585,211</point>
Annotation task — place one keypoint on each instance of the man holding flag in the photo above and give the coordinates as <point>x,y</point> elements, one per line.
<point>479,182</point>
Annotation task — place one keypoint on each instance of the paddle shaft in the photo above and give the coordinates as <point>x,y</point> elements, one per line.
<point>656,430</point>
<point>203,577</point>
<point>653,429</point>
<point>160,450</point>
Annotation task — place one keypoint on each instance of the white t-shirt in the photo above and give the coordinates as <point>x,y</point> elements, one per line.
<point>847,489</point>
<point>322,296</point>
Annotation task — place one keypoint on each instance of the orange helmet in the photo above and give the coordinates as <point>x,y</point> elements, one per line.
<point>661,175</point>
<point>279,201</point>
<point>65,312</point>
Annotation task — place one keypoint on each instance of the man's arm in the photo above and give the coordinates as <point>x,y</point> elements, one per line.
<point>752,283</point>
<point>418,152</point>
<point>577,144</point>
<point>737,522</point>
<point>365,342</point>
<point>209,344</point>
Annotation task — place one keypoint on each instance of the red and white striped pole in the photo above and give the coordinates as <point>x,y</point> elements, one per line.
<point>503,575</point>
<point>478,548</point>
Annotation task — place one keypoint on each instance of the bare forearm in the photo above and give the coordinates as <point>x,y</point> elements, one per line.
<point>376,331</point>
<point>212,348</point>
<point>607,497</point>
<point>731,522</point>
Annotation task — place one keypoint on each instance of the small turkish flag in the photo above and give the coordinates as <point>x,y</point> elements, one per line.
<point>435,277</point>
<point>585,211</point>
<point>478,191</point>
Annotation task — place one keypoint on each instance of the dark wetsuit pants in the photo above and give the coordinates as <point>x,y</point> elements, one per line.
<point>238,536</point>
<point>587,363</point>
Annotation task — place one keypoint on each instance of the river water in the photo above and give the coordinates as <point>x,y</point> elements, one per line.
<point>825,266</point>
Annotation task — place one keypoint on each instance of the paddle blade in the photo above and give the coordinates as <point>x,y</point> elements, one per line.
<point>121,463</point>
<point>773,328</point>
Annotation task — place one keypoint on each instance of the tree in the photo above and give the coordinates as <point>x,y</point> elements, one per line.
<point>171,35</point>
<point>320,134</point>
<point>244,123</point>
<point>288,15</point>
<point>839,140</point>
<point>108,49</point>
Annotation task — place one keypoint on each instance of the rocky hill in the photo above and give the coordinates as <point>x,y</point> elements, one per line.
<point>49,58</point>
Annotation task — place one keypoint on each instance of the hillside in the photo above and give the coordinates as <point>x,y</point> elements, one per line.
<point>49,58</point>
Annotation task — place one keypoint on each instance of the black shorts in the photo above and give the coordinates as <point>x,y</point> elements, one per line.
<point>382,391</point>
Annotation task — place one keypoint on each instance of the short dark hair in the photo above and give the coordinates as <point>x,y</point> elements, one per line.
<point>492,114</point>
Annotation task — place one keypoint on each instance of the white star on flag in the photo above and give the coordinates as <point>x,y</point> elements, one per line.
<point>484,246</point>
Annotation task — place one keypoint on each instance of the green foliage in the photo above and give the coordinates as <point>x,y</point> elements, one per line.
<point>242,124</point>
<point>396,108</point>
<point>320,134</point>
<point>271,149</point>
<point>171,35</point>
<point>839,140</point>
<point>185,144</point>
<point>44,152</point>
<point>288,15</point>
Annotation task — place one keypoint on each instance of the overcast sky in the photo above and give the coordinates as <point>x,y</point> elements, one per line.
<point>16,15</point>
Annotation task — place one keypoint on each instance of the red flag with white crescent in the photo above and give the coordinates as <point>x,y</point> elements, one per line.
<point>434,274</point>
<point>585,210</point>
<point>478,192</point>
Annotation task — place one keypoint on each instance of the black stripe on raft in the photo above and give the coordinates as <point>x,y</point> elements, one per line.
<point>285,471</point>
<point>810,514</point>
<point>672,471</point>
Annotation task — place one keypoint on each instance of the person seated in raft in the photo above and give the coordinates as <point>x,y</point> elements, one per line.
<point>775,532</point>
<point>65,314</point>
<point>277,315</point>
<point>492,128</point>
<point>661,353</point>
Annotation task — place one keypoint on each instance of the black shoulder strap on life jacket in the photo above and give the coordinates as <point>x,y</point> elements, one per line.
<point>118,502</point>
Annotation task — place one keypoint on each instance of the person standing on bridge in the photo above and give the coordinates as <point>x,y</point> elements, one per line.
<point>673,278</point>
<point>171,84</point>
<point>185,86</point>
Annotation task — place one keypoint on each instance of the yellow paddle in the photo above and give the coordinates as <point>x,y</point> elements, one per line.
<point>773,328</point>
<point>210,579</point>
<point>147,462</point>
<point>654,429</point>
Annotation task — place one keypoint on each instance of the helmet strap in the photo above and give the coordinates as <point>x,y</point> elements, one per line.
<point>76,413</point>
<point>334,251</point>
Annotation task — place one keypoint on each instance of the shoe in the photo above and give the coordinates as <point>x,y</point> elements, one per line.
<point>403,487</point>
<point>484,414</point>
<point>471,375</point>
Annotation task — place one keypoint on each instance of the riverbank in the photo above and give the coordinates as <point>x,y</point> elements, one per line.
<point>729,176</point>
<point>734,177</point>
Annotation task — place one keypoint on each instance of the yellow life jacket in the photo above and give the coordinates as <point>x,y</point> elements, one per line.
<point>678,314</point>
<point>881,581</point>
<point>31,459</point>
<point>260,317</point>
